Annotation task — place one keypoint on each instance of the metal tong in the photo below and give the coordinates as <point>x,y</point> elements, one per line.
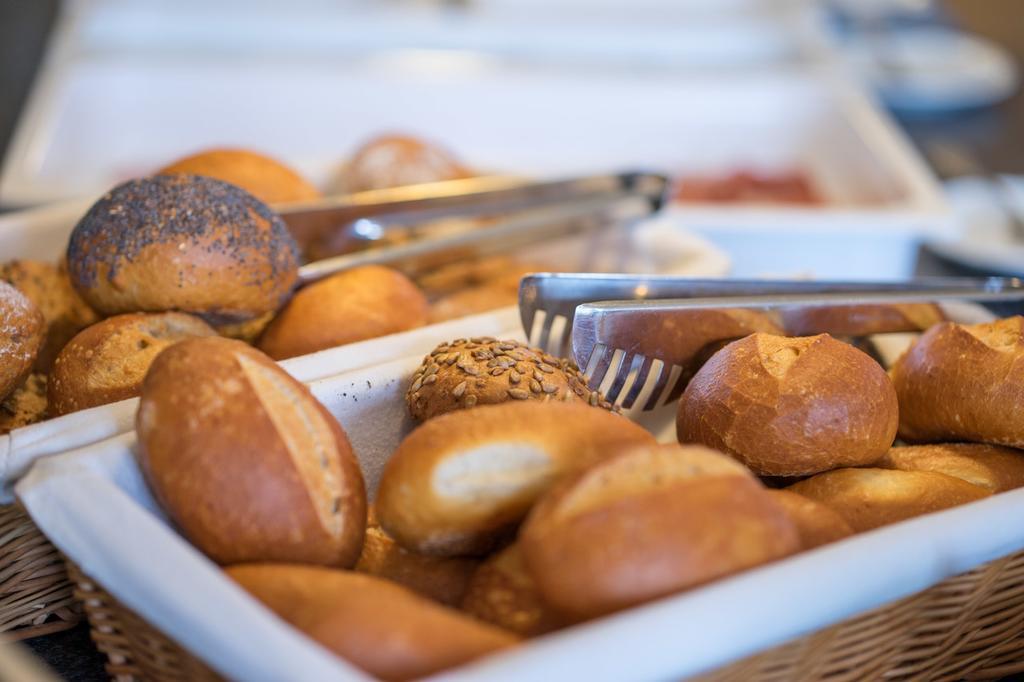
<point>616,323</point>
<point>386,226</point>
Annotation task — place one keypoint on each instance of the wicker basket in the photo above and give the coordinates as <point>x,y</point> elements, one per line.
<point>35,592</point>
<point>970,626</point>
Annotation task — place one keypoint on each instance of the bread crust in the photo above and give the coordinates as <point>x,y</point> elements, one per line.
<point>350,306</point>
<point>182,242</point>
<point>963,383</point>
<point>869,498</point>
<point>461,482</point>
<point>26,405</point>
<point>791,406</point>
<point>816,523</point>
<point>265,178</point>
<point>247,463</point>
<point>647,523</point>
<point>995,468</point>
<point>382,628</point>
<point>501,592</point>
<point>107,362</point>
<point>860,319</point>
<point>396,160</point>
<point>22,330</point>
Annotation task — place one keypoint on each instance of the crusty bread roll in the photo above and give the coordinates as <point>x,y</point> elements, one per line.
<point>106,362</point>
<point>649,522</point>
<point>63,309</point>
<point>869,498</point>
<point>461,481</point>
<point>350,306</point>
<point>186,243</point>
<point>501,272</point>
<point>501,592</point>
<point>860,319</point>
<point>963,383</point>
<point>991,467</point>
<point>443,579</point>
<point>485,371</point>
<point>790,406</point>
<point>378,626</point>
<point>471,301</point>
<point>26,405</point>
<point>247,463</point>
<point>265,178</point>
<point>396,160</point>
<point>816,524</point>
<point>22,330</point>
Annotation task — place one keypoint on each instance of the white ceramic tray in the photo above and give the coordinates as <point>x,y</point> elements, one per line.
<point>77,497</point>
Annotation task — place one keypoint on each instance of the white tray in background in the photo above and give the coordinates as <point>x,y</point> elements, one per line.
<point>77,497</point>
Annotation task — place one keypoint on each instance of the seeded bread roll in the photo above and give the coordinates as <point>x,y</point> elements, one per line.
<point>502,593</point>
<point>107,361</point>
<point>791,406</point>
<point>382,628</point>
<point>650,522</point>
<point>22,329</point>
<point>265,178</point>
<point>350,306</point>
<point>26,405</point>
<point>442,579</point>
<point>396,160</point>
<point>186,243</point>
<point>815,523</point>
<point>994,468</point>
<point>49,288</point>
<point>870,498</point>
<point>942,400</point>
<point>485,371</point>
<point>460,482</point>
<point>247,463</point>
<point>861,320</point>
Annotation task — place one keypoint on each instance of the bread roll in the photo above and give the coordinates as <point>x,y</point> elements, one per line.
<point>26,405</point>
<point>502,593</point>
<point>485,371</point>
<point>396,160</point>
<point>350,306</point>
<point>963,383</point>
<point>790,407</point>
<point>869,498</point>
<point>442,579</point>
<point>816,524</point>
<point>21,336</point>
<point>265,178</point>
<point>64,311</point>
<point>186,243</point>
<point>382,628</point>
<point>861,319</point>
<point>461,481</point>
<point>500,272</point>
<point>471,302</point>
<point>245,460</point>
<point>649,522</point>
<point>107,361</point>
<point>991,467</point>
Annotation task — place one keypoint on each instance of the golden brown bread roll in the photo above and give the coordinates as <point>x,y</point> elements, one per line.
<point>992,467</point>
<point>869,498</point>
<point>861,319</point>
<point>649,522</point>
<point>22,330</point>
<point>350,306</point>
<point>500,272</point>
<point>265,178</point>
<point>106,362</point>
<point>375,625</point>
<point>186,243</point>
<point>63,309</point>
<point>442,579</point>
<point>485,371</point>
<point>501,592</point>
<point>461,481</point>
<point>790,406</point>
<point>963,383</point>
<point>26,405</point>
<point>816,524</point>
<point>247,463</point>
<point>471,302</point>
<point>396,160</point>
